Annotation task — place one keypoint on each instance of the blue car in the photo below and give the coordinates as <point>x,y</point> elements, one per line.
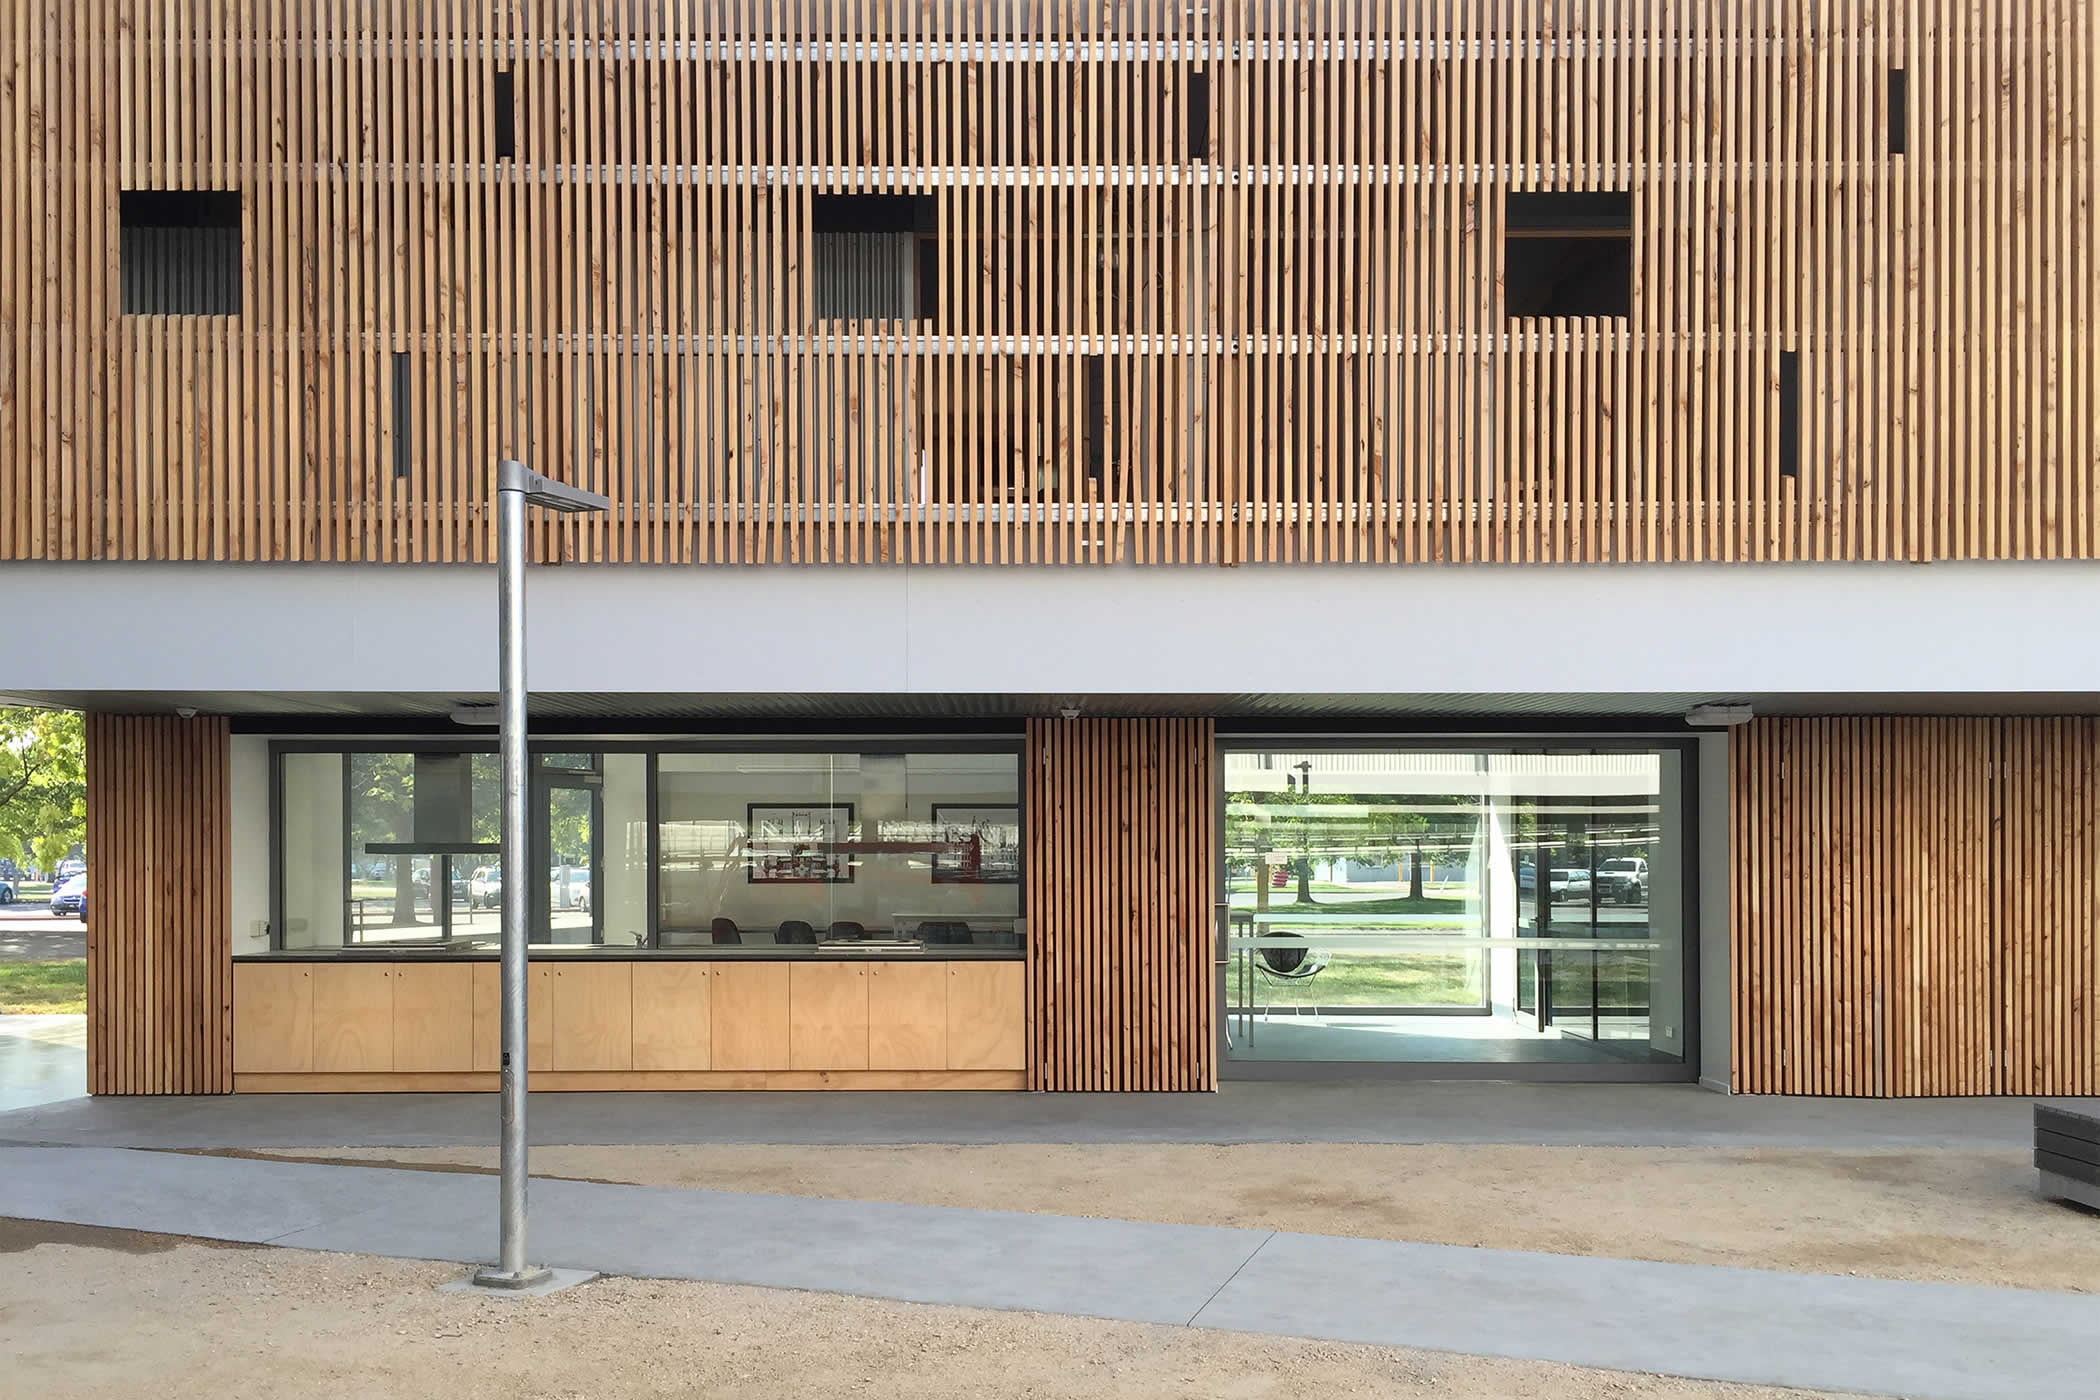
<point>70,899</point>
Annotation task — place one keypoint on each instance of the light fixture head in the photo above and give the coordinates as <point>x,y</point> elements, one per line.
<point>545,491</point>
<point>1068,712</point>
<point>474,715</point>
<point>186,711</point>
<point>1718,716</point>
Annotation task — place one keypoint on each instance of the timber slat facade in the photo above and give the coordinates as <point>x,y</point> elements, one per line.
<point>1121,861</point>
<point>1219,283</point>
<point>159,941</point>
<point>1916,905</point>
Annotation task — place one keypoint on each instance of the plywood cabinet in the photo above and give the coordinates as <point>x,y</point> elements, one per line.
<point>353,1017</point>
<point>671,1006</point>
<point>987,1015</point>
<point>828,1016</point>
<point>907,1016</point>
<point>748,1016</point>
<point>355,1024</point>
<point>433,1017</point>
<point>593,1015</point>
<point>273,1018</point>
<point>488,1016</point>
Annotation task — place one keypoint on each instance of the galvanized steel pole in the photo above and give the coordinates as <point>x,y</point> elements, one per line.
<point>511,1270</point>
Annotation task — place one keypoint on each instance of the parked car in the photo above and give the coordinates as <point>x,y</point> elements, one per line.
<point>1569,886</point>
<point>571,889</point>
<point>7,890</point>
<point>459,886</point>
<point>1623,879</point>
<point>69,900</point>
<point>67,869</point>
<point>485,889</point>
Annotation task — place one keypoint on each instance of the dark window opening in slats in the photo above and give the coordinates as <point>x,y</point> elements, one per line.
<point>179,252</point>
<point>506,118</point>
<point>404,426</point>
<point>1199,115</point>
<point>1790,413</point>
<point>1899,112</point>
<point>1096,415</point>
<point>876,256</point>
<point>1568,253</point>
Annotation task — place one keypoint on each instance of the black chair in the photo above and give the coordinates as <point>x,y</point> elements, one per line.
<point>846,928</point>
<point>725,932</point>
<point>936,933</point>
<point>795,931</point>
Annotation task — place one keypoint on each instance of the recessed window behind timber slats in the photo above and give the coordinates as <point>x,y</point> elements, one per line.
<point>877,256</point>
<point>180,252</point>
<point>1568,253</point>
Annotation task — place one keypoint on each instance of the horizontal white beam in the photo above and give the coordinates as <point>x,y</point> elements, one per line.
<point>1720,630</point>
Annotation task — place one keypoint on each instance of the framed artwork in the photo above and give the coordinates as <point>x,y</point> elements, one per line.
<point>798,845</point>
<point>979,845</point>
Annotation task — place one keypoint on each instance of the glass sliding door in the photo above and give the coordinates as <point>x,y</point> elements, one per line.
<point>1453,906</point>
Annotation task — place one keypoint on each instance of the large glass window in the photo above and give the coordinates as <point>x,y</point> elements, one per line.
<point>848,849</point>
<point>392,849</point>
<point>1455,906</point>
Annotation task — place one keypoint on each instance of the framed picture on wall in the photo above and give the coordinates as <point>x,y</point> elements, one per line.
<point>976,845</point>
<point>798,845</point>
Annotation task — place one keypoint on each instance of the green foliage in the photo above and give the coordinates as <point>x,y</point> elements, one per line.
<point>43,783</point>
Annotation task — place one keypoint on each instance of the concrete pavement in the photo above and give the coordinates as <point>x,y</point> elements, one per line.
<point>28,933</point>
<point>43,1060</point>
<point>1590,1115</point>
<point>1937,1341</point>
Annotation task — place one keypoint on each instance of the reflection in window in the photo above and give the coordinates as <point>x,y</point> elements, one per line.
<point>800,850</point>
<point>1455,906</point>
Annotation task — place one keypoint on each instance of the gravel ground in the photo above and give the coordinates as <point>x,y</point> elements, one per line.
<point>1970,1217</point>
<point>110,1313</point>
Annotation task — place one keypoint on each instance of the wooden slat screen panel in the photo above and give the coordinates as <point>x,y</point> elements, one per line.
<point>1307,325</point>
<point>160,949</point>
<point>1121,871</point>
<point>1915,906</point>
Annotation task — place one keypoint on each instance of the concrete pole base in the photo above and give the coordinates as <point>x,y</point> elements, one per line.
<point>529,1282</point>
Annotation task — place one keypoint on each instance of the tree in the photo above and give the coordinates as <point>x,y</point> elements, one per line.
<point>43,784</point>
<point>1294,823</point>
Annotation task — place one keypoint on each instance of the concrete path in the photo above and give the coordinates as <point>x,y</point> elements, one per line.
<point>1590,1115</point>
<point>28,933</point>
<point>1934,1341</point>
<point>43,1060</point>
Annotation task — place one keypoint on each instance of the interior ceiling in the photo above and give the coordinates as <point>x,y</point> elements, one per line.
<point>580,706</point>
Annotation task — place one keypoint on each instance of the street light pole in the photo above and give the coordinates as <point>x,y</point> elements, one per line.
<point>517,486</point>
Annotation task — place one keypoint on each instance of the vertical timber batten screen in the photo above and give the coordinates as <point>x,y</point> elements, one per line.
<point>160,951</point>
<point>1305,322</point>
<point>1916,906</point>
<point>1121,869</point>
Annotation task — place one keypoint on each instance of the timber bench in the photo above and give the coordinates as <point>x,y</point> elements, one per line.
<point>2067,1151</point>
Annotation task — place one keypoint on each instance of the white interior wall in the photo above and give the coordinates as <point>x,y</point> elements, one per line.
<point>313,850</point>
<point>248,850</point>
<point>624,848</point>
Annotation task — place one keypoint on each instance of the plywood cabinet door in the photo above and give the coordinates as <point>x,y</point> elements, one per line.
<point>488,1017</point>
<point>433,1018</point>
<point>828,1016</point>
<point>353,1018</point>
<point>748,1016</point>
<point>987,1015</point>
<point>273,1018</point>
<point>907,1016</point>
<point>593,1016</point>
<point>671,1015</point>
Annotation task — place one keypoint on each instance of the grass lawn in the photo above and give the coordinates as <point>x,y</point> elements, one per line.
<point>43,988</point>
<point>1401,904</point>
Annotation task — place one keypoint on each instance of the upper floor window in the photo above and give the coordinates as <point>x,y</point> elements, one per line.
<point>1568,253</point>
<point>877,256</point>
<point>180,252</point>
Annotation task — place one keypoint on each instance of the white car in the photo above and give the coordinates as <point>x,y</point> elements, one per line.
<point>485,888</point>
<point>570,889</point>
<point>7,890</point>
